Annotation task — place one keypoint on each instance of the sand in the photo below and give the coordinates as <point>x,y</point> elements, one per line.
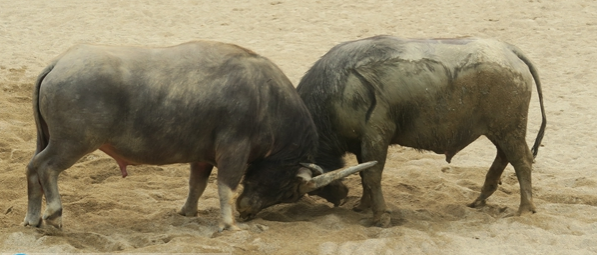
<point>105,213</point>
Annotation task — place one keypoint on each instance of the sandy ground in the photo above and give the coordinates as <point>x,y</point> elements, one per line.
<point>105,213</point>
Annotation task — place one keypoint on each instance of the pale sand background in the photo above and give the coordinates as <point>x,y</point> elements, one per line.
<point>105,213</point>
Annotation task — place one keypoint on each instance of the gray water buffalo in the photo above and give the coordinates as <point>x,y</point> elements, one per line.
<point>438,95</point>
<point>204,103</point>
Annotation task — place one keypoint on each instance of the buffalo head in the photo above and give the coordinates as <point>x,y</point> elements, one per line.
<point>268,187</point>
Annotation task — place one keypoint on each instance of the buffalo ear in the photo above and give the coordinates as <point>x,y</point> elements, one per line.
<point>325,179</point>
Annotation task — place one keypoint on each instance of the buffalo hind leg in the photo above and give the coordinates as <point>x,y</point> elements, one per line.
<point>518,154</point>
<point>492,179</point>
<point>200,172</point>
<point>42,172</point>
<point>34,194</point>
<point>371,180</point>
<point>521,159</point>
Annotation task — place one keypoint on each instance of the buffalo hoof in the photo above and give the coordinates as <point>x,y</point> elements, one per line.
<point>55,222</point>
<point>361,207</point>
<point>231,227</point>
<point>187,213</point>
<point>477,203</point>
<point>525,210</point>
<point>53,218</point>
<point>32,221</point>
<point>383,221</point>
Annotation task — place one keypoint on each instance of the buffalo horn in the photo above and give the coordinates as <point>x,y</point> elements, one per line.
<point>313,167</point>
<point>326,178</point>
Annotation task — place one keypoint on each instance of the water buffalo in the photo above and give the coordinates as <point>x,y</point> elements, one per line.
<point>204,103</point>
<point>438,95</point>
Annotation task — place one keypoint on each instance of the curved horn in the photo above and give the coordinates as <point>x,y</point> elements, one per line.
<point>313,167</point>
<point>325,179</point>
<point>305,174</point>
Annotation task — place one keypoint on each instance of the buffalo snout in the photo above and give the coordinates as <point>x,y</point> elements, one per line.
<point>247,207</point>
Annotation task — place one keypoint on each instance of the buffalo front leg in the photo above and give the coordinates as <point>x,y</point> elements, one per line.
<point>197,182</point>
<point>226,194</point>
<point>492,179</point>
<point>231,160</point>
<point>372,197</point>
<point>365,202</point>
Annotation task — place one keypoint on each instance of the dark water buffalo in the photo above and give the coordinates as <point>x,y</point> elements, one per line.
<point>438,95</point>
<point>204,103</point>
